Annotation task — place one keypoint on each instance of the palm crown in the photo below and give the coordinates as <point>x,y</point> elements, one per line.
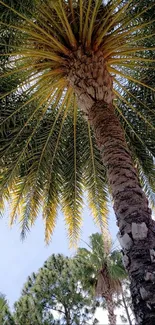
<point>102,271</point>
<point>102,267</point>
<point>48,154</point>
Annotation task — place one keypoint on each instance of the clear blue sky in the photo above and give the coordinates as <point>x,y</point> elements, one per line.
<point>20,259</point>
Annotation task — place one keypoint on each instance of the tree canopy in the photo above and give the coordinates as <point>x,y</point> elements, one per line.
<point>102,271</point>
<point>48,153</point>
<point>6,318</point>
<point>55,295</point>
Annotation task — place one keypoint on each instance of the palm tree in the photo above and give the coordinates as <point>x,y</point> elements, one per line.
<point>70,54</point>
<point>124,302</point>
<point>102,271</point>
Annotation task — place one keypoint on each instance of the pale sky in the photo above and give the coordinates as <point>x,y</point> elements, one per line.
<point>19,259</point>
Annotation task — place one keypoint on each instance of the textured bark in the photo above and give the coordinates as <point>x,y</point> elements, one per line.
<point>105,288</point>
<point>93,86</point>
<point>90,79</point>
<point>137,229</point>
<point>111,308</point>
<point>137,236</point>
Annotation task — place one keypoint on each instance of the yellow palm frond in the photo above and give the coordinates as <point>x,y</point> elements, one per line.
<point>48,154</point>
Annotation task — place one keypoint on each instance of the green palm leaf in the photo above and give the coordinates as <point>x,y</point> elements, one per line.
<point>48,154</point>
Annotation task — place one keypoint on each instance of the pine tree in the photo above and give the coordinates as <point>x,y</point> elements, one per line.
<point>55,296</point>
<point>6,318</point>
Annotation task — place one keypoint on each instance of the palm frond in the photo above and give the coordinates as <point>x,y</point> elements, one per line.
<point>96,183</point>
<point>101,269</point>
<point>72,163</point>
<point>48,153</point>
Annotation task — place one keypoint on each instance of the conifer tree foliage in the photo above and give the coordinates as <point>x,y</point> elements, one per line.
<point>54,296</point>
<point>6,317</point>
<point>74,61</point>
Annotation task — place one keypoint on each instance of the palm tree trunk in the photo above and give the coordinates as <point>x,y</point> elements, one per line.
<point>111,308</point>
<point>137,229</point>
<point>93,85</point>
<point>125,306</point>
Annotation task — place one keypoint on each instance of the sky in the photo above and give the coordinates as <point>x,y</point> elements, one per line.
<point>19,259</point>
